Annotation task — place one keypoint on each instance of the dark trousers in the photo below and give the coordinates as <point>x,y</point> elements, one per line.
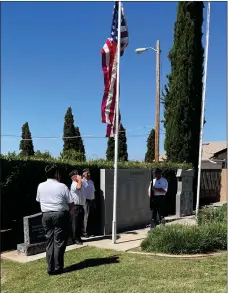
<point>157,206</point>
<point>77,218</point>
<point>56,227</point>
<point>88,218</point>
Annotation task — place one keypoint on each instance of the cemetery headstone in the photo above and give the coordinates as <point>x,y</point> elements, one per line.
<point>34,236</point>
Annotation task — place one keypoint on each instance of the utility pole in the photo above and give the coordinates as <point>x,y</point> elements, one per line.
<point>157,115</point>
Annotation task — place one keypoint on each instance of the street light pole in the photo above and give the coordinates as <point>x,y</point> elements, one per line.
<point>157,112</point>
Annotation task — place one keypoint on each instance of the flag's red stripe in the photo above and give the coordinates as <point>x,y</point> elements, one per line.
<point>113,104</point>
<point>107,70</point>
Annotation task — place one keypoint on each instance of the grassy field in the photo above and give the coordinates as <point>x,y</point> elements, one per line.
<point>93,270</point>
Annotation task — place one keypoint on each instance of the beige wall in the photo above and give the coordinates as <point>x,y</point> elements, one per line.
<point>223,191</point>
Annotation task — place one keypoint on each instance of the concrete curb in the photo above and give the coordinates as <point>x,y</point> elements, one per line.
<point>181,256</point>
<point>14,256</point>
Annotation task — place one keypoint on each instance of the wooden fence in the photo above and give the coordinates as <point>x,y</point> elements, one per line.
<point>210,186</point>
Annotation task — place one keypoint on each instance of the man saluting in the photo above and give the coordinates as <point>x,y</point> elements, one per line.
<point>77,191</point>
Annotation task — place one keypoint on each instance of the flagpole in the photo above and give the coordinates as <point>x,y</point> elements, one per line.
<point>203,109</point>
<point>116,128</point>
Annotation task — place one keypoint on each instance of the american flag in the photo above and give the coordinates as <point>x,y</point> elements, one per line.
<point>109,67</point>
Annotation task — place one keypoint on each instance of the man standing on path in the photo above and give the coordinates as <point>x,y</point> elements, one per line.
<point>90,204</point>
<point>54,199</point>
<point>77,191</point>
<point>157,191</point>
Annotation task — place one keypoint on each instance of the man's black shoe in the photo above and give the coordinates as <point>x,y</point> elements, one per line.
<point>59,272</point>
<point>78,242</point>
<point>56,272</point>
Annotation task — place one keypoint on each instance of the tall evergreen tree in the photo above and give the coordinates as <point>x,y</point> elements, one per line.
<point>183,93</point>
<point>123,154</point>
<point>80,144</point>
<point>150,154</point>
<point>110,149</point>
<point>69,131</point>
<point>26,146</point>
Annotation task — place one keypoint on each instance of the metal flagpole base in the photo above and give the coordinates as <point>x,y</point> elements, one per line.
<point>113,232</point>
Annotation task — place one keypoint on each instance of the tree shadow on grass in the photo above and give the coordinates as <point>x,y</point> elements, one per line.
<point>92,262</point>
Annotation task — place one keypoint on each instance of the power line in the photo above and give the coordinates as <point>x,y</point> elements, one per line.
<point>82,136</point>
<point>15,137</point>
<point>55,138</point>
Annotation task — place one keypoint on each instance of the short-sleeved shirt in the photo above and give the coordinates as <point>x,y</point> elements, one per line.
<point>90,189</point>
<point>159,183</point>
<point>78,195</point>
<point>53,196</point>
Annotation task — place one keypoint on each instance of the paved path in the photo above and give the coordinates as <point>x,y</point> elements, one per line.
<point>125,241</point>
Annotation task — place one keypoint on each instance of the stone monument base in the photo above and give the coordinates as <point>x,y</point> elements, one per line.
<point>36,248</point>
<point>31,249</point>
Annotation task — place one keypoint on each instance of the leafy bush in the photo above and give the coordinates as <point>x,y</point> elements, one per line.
<point>212,214</point>
<point>12,155</point>
<point>186,239</point>
<point>72,155</point>
<point>100,163</point>
<point>45,155</point>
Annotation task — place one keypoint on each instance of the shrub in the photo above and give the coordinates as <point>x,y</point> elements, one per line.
<point>12,155</point>
<point>211,214</point>
<point>45,155</point>
<point>72,155</point>
<point>184,239</point>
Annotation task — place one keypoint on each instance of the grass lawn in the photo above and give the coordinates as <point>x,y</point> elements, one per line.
<point>104,271</point>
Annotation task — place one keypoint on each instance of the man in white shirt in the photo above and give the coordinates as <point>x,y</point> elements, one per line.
<point>157,191</point>
<point>55,200</point>
<point>77,191</point>
<point>89,205</point>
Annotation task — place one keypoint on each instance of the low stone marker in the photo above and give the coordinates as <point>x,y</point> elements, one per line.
<point>184,197</point>
<point>34,236</point>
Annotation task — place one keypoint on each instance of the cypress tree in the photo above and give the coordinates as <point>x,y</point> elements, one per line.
<point>80,144</point>
<point>123,154</point>
<point>110,149</point>
<point>26,146</point>
<point>183,93</point>
<point>69,131</point>
<point>150,154</point>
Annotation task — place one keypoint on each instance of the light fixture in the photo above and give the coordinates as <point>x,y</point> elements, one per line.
<point>141,50</point>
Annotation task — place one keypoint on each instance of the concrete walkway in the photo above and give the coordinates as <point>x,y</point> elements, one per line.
<point>125,241</point>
